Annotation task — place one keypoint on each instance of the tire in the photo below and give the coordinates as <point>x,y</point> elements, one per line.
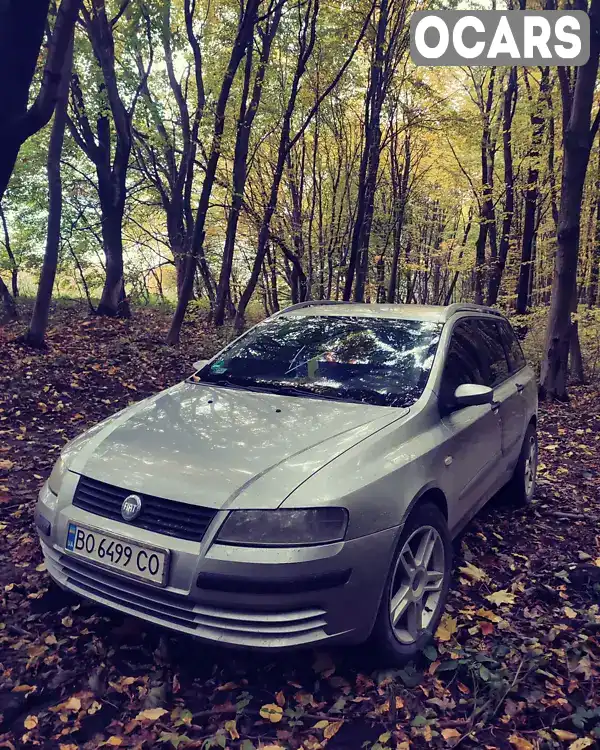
<point>520,491</point>
<point>401,643</point>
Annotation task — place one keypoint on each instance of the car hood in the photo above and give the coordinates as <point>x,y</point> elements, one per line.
<point>223,448</point>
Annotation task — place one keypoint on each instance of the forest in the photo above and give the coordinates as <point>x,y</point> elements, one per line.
<point>242,157</point>
<point>174,171</point>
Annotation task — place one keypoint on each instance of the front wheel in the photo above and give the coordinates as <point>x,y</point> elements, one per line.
<point>417,587</point>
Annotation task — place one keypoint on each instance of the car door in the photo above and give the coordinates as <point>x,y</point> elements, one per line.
<point>503,379</point>
<point>522,377</point>
<point>473,446</point>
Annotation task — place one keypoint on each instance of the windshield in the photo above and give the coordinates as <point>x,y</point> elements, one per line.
<point>377,361</point>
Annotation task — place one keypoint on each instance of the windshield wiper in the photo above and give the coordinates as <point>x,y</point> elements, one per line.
<point>291,390</point>
<point>298,391</point>
<point>254,387</point>
<point>223,383</point>
<point>279,389</point>
<point>304,391</point>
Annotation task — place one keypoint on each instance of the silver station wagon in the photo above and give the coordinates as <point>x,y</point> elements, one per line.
<point>303,486</point>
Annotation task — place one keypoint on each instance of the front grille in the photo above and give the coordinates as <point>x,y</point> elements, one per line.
<point>169,517</point>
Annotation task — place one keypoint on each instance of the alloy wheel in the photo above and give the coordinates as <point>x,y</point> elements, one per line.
<point>417,584</point>
<point>530,466</point>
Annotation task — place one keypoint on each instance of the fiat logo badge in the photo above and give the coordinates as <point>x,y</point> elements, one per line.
<point>131,508</point>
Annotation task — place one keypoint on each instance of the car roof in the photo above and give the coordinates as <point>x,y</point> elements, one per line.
<point>430,313</point>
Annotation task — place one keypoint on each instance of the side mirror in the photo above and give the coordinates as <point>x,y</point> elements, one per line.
<point>200,364</point>
<point>470,394</point>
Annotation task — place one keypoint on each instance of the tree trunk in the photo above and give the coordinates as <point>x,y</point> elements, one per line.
<point>110,160</point>
<point>595,260</point>
<point>14,271</point>
<point>39,319</point>
<point>168,162</point>
<point>297,221</point>
<point>10,308</point>
<point>244,37</point>
<point>112,178</point>
<point>551,169</point>
<point>21,33</point>
<point>113,302</point>
<point>579,135</point>
<point>576,370</point>
<point>534,255</point>
<point>308,39</point>
<point>294,273</point>
<point>510,100</point>
<point>177,234</point>
<point>272,261</point>
<point>22,27</point>
<point>361,233</point>
<point>461,252</point>
<point>239,175</point>
<point>538,120</point>
<point>480,259</point>
<point>486,212</point>
<point>240,162</point>
<point>399,219</point>
<point>576,367</point>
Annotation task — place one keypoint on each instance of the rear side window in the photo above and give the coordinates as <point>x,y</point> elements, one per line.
<point>464,361</point>
<point>493,351</point>
<point>516,358</point>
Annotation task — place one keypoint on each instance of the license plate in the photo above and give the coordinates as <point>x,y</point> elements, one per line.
<point>146,563</point>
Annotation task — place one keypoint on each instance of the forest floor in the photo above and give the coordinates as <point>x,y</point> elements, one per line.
<point>515,662</point>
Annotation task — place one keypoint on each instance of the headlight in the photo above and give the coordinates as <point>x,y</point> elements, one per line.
<point>284,528</point>
<point>57,476</point>
<point>47,498</point>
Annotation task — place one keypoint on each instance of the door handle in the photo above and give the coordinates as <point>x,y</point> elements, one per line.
<point>495,405</point>
<point>520,387</point>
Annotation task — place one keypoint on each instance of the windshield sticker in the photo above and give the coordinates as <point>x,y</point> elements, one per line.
<point>219,367</point>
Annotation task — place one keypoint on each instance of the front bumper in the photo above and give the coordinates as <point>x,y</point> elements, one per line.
<point>237,596</point>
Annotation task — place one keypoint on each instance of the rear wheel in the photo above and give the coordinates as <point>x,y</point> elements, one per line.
<point>521,488</point>
<point>417,587</point>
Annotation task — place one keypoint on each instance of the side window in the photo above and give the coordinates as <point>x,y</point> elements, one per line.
<point>516,358</point>
<point>464,363</point>
<point>493,351</point>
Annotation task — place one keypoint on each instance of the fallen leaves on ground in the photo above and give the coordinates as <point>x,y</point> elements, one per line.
<point>501,597</point>
<point>520,743</point>
<point>151,714</point>
<point>450,734</point>
<point>447,628</point>
<point>514,664</point>
<point>473,572</point>
<point>581,743</point>
<point>272,712</point>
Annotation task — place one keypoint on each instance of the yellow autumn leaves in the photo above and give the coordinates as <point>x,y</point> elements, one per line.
<point>579,743</point>
<point>151,714</point>
<point>501,597</point>
<point>449,625</point>
<point>330,728</point>
<point>274,713</point>
<point>447,628</point>
<point>31,722</point>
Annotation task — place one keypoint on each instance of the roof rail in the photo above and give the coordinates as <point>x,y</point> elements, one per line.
<point>312,303</point>
<point>469,307</point>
